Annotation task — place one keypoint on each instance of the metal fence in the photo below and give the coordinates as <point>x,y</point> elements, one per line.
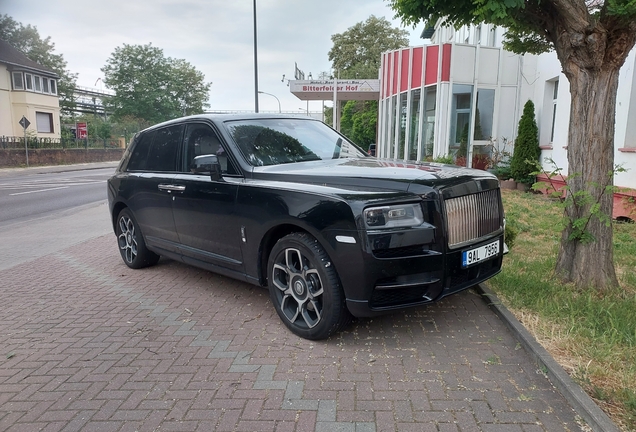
<point>8,142</point>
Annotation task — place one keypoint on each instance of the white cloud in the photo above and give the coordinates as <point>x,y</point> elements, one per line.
<point>216,36</point>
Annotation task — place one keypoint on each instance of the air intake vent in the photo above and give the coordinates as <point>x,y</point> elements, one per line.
<point>471,217</point>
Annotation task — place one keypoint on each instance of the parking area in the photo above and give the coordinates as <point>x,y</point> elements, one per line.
<point>88,344</point>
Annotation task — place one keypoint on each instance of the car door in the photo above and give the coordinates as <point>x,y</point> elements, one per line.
<point>204,211</point>
<point>150,177</point>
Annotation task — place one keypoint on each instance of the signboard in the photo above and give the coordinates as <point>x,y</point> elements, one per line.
<point>82,130</point>
<point>368,89</point>
<point>24,122</point>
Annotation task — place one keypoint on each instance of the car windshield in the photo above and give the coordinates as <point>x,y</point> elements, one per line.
<point>279,141</point>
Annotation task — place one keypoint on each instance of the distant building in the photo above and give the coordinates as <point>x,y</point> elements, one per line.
<point>27,89</point>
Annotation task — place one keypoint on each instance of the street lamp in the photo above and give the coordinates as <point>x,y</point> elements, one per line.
<point>262,92</point>
<point>255,64</point>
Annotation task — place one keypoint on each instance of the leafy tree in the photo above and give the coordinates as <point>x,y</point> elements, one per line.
<point>356,53</point>
<point>152,87</point>
<point>28,40</point>
<point>592,39</point>
<point>359,122</point>
<point>526,152</point>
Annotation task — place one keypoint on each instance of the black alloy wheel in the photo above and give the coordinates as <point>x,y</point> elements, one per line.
<point>305,288</point>
<point>131,243</point>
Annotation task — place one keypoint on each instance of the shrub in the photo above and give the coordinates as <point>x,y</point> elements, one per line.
<point>526,152</point>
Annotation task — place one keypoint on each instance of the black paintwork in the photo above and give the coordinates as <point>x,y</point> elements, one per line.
<point>230,224</point>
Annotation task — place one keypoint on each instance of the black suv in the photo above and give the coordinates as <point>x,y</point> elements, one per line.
<point>289,204</point>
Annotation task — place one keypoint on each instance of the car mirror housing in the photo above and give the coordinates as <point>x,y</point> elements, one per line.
<point>207,164</point>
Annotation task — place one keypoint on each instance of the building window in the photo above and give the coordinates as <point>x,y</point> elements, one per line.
<point>555,92</point>
<point>35,83</point>
<point>484,114</point>
<point>402,132</point>
<point>460,122</point>
<point>428,138</point>
<point>44,122</point>
<point>492,36</point>
<point>391,141</point>
<point>28,78</point>
<point>18,81</point>
<point>415,117</point>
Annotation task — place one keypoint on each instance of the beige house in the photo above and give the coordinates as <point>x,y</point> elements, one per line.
<point>27,89</point>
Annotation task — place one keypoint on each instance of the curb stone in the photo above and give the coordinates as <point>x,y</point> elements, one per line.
<point>575,395</point>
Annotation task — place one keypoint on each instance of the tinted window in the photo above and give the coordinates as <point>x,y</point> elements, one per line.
<point>139,155</point>
<point>157,150</point>
<point>202,140</point>
<point>279,141</point>
<point>164,149</point>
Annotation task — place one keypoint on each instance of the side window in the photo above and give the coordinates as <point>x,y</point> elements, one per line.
<point>164,149</point>
<point>202,140</point>
<point>156,150</point>
<point>139,155</point>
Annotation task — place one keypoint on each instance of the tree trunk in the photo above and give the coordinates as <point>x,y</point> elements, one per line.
<point>590,169</point>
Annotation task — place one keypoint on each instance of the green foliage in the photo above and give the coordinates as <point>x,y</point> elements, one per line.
<point>359,122</point>
<point>152,87</point>
<point>28,40</point>
<point>526,151</point>
<point>356,53</point>
<point>445,159</point>
<point>581,199</point>
<point>462,151</point>
<point>510,233</point>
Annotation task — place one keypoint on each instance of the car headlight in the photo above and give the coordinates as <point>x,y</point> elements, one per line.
<point>393,216</point>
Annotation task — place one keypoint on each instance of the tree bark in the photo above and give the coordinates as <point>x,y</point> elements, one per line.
<point>591,53</point>
<point>590,168</point>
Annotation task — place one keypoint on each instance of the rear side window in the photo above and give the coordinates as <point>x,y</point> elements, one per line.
<point>157,150</point>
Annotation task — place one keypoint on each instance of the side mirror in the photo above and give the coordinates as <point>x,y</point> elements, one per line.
<point>207,164</point>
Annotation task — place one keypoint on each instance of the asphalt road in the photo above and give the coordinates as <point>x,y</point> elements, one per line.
<point>45,210</point>
<point>31,194</point>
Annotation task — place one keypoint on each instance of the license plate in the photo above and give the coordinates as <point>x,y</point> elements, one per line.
<point>479,254</point>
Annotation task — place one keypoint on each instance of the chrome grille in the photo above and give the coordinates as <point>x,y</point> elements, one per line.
<point>472,217</point>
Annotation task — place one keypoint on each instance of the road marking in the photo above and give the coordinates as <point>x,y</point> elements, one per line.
<point>66,183</point>
<point>35,191</point>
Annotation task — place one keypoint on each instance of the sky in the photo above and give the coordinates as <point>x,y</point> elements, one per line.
<point>215,36</point>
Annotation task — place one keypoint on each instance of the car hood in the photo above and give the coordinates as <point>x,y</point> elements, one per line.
<point>374,173</point>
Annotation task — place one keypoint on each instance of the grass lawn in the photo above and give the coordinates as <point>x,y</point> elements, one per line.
<point>591,334</point>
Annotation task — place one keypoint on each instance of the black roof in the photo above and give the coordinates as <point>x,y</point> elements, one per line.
<point>16,58</point>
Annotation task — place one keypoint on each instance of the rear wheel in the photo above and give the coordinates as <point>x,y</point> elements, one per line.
<point>131,243</point>
<point>305,288</point>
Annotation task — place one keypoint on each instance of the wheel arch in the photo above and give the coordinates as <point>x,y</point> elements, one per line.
<point>267,244</point>
<point>117,208</point>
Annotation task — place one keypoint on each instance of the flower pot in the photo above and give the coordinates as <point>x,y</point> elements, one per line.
<point>508,184</point>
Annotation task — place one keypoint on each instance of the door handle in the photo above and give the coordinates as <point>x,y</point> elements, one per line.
<point>171,188</point>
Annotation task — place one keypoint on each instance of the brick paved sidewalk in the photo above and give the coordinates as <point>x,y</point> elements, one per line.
<point>87,344</point>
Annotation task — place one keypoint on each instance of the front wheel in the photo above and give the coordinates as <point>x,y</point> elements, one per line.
<point>131,243</point>
<point>305,288</point>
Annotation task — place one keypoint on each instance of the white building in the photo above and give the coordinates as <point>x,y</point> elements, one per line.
<point>463,88</point>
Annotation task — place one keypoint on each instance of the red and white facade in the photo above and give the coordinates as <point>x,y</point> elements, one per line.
<point>435,98</point>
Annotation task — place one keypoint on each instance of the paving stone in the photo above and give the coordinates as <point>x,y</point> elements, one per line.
<point>100,347</point>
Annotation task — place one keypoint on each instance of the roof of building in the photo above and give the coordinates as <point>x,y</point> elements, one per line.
<point>16,58</point>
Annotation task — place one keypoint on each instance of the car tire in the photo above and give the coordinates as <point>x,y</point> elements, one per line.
<point>305,289</point>
<point>131,243</point>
